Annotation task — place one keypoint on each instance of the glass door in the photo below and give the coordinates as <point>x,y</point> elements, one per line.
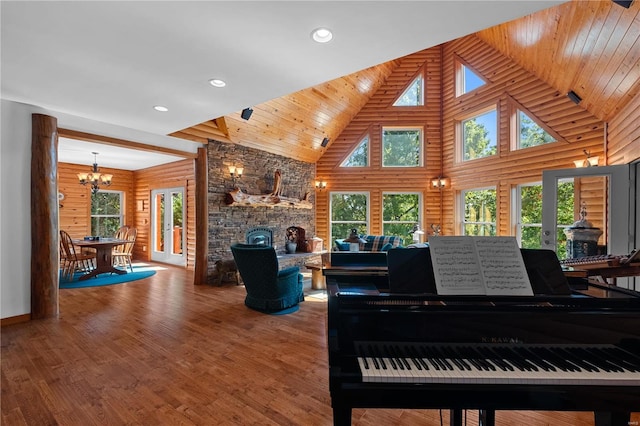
<point>168,236</point>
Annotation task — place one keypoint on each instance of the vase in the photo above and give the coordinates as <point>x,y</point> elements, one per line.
<point>290,247</point>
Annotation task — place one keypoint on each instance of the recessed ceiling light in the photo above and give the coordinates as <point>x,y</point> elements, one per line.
<point>322,35</point>
<point>161,108</point>
<point>216,82</point>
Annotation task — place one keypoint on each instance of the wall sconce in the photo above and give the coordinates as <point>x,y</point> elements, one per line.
<point>320,185</point>
<point>236,173</point>
<point>439,182</point>
<point>588,162</point>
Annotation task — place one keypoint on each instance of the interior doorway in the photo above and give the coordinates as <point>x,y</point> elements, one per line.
<point>168,236</point>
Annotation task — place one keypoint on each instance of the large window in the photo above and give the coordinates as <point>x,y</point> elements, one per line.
<point>401,147</point>
<point>479,212</point>
<point>106,213</point>
<point>349,210</point>
<point>529,215</point>
<point>479,135</point>
<point>400,212</point>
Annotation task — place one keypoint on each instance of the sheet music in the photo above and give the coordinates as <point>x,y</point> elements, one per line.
<point>465,265</point>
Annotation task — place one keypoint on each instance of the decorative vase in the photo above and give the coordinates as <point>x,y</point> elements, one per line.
<point>290,247</point>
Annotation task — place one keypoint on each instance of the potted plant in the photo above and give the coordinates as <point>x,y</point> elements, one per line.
<point>291,242</point>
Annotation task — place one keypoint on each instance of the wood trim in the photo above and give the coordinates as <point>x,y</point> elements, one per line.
<point>107,140</point>
<point>18,319</point>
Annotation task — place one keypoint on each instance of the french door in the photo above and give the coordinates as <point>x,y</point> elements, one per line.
<point>168,235</point>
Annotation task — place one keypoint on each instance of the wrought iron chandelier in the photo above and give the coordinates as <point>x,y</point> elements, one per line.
<point>95,178</point>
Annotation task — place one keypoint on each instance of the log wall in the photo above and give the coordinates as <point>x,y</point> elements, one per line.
<point>509,87</point>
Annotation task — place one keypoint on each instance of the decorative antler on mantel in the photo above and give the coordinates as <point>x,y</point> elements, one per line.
<point>274,199</point>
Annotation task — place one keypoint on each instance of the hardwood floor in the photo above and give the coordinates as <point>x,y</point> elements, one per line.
<point>161,351</point>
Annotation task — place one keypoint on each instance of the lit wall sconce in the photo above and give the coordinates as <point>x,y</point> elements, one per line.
<point>320,185</point>
<point>235,172</point>
<point>590,161</point>
<point>439,182</point>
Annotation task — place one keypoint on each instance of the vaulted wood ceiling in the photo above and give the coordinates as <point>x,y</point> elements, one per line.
<point>590,47</point>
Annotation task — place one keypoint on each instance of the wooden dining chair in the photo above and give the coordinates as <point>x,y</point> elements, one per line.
<point>121,234</point>
<point>121,255</point>
<point>74,259</point>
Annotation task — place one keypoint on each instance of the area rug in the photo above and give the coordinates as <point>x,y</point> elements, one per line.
<point>106,279</point>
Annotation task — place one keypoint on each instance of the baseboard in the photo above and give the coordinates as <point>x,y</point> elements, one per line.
<point>15,320</point>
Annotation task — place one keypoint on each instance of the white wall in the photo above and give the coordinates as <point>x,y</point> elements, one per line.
<point>15,201</point>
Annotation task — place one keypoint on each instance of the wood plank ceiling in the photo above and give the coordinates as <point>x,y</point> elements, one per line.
<point>590,47</point>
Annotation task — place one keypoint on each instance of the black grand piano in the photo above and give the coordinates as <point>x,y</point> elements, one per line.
<point>562,352</point>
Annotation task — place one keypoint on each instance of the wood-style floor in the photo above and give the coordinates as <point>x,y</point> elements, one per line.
<point>161,351</point>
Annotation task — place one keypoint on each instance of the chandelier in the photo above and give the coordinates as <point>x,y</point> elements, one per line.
<point>95,178</point>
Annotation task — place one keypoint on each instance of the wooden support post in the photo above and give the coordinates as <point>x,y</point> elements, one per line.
<point>202,218</point>
<point>45,255</point>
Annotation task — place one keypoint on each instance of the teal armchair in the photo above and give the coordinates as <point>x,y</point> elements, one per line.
<point>269,289</point>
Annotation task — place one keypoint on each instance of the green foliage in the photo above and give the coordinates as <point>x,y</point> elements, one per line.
<point>176,199</point>
<point>412,96</point>
<point>348,211</point>
<point>477,143</point>
<point>401,147</point>
<point>480,212</point>
<point>359,156</point>
<point>105,213</point>
<point>399,213</point>
<point>531,134</point>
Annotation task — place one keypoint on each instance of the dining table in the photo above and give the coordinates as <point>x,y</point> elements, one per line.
<point>104,262</point>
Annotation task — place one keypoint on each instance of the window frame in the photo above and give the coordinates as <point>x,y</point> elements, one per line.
<point>367,222</point>
<point>459,77</point>
<point>460,133</point>
<point>516,213</point>
<point>462,208</point>
<point>419,209</point>
<point>514,123</point>
<point>421,153</point>
<point>419,76</point>
<point>358,144</point>
<point>120,216</point>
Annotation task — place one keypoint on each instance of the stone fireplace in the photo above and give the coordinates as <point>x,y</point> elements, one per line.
<point>259,235</point>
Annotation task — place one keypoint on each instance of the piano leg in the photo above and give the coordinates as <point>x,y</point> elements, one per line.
<point>341,416</point>
<point>611,418</point>
<point>486,418</point>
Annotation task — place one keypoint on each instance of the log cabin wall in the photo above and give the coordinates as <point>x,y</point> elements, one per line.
<point>176,174</point>
<point>75,208</point>
<point>379,112</point>
<point>508,87</point>
<point>228,224</point>
<point>623,134</point>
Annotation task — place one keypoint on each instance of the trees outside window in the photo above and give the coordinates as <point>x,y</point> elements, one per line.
<point>349,210</point>
<point>400,212</point>
<point>479,212</point>
<point>106,213</point>
<point>359,157</point>
<point>414,95</point>
<point>530,133</point>
<point>479,135</point>
<point>401,147</point>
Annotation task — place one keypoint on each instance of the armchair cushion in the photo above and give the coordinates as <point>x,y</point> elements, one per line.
<point>268,289</point>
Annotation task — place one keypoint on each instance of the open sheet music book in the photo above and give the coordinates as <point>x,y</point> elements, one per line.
<point>467,265</point>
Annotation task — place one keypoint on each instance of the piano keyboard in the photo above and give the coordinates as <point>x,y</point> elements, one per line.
<point>592,262</point>
<point>512,364</point>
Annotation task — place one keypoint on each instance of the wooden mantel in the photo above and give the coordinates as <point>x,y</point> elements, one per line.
<point>273,199</point>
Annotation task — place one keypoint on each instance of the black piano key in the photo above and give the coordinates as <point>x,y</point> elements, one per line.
<point>624,359</point>
<point>533,357</point>
<point>572,357</point>
<point>450,354</point>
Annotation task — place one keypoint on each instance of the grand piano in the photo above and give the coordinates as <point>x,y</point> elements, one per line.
<point>561,352</point>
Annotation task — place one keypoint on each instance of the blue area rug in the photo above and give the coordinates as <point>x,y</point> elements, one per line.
<point>106,279</point>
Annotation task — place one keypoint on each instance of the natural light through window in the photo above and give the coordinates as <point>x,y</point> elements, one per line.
<point>529,132</point>
<point>401,147</point>
<point>359,157</point>
<point>479,135</point>
<point>413,95</point>
<point>466,79</point>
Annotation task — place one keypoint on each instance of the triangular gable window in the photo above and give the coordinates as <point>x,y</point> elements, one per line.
<point>413,96</point>
<point>468,80</point>
<point>531,133</point>
<point>359,157</point>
